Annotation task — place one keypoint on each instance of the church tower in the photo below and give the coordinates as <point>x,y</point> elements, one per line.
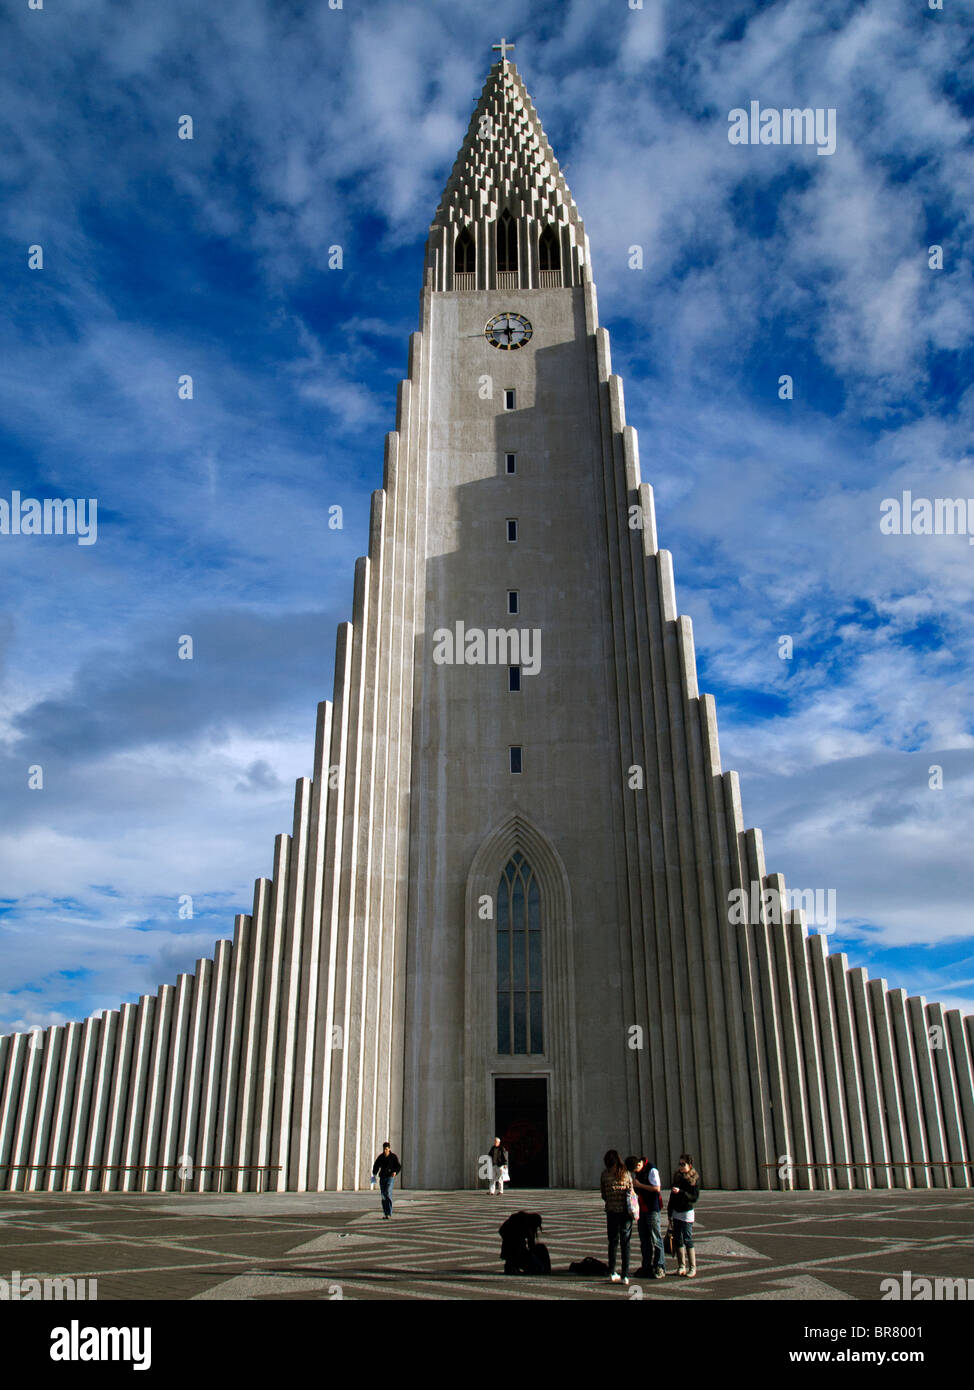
<point>518,897</point>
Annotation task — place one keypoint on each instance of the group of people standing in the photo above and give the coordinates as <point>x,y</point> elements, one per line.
<point>632,1191</point>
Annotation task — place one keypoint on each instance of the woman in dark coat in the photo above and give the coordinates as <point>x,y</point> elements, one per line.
<point>683,1196</point>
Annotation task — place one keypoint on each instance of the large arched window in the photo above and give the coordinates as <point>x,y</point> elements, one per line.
<point>464,253</point>
<point>506,242</point>
<point>519,996</point>
<point>549,249</point>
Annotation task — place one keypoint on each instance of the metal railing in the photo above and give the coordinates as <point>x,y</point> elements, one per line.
<point>144,1168</point>
<point>464,279</point>
<point>549,279</point>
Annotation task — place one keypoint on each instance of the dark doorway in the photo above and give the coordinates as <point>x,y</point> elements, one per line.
<point>521,1120</point>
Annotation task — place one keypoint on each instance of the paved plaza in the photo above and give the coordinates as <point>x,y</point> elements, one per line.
<point>444,1245</point>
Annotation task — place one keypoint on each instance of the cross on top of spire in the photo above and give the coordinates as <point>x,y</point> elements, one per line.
<point>502,48</point>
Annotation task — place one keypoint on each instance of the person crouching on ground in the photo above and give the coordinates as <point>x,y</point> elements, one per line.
<point>616,1187</point>
<point>683,1196</point>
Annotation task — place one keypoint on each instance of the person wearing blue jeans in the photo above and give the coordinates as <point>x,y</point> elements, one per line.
<point>683,1199</point>
<point>646,1180</point>
<point>385,1168</point>
<point>616,1186</point>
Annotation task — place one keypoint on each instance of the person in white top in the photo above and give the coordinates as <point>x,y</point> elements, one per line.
<point>683,1196</point>
<point>646,1181</point>
<point>497,1168</point>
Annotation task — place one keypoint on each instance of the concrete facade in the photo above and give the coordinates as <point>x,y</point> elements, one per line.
<point>358,1000</point>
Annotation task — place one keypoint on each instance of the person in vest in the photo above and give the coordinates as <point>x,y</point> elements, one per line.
<point>616,1187</point>
<point>497,1160</point>
<point>646,1180</point>
<point>683,1196</point>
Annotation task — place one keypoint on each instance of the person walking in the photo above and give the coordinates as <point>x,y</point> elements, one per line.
<point>617,1188</point>
<point>646,1180</point>
<point>683,1197</point>
<point>385,1168</point>
<point>498,1171</point>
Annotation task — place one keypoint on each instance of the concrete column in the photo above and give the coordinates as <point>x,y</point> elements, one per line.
<point>175,1077</point>
<point>210,1088</point>
<point>949,1100</point>
<point>321,1156</point>
<point>118,1097</point>
<point>711,914</point>
<point>832,1073</point>
<point>412,517</point>
<point>869,1073</point>
<point>851,1075</point>
<point>366,898</point>
<point>757,1127</point>
<point>250,1028</point>
<point>345,1064</point>
<point>290,984</point>
<point>138,1086</point>
<point>964,1071</point>
<point>6,1041</point>
<point>820,1138</point>
<point>788,1030</point>
<point>896,1128</point>
<point>909,1086</point>
<point>271,1013</point>
<point>190,1120</point>
<point>740,1096</point>
<point>932,1119</point>
<point>46,1098</point>
<point>230,1078</point>
<point>12,1083</point>
<point>310,957</point>
<point>639,870</point>
<point>100,1097</point>
<point>24,1128</point>
<point>678,1020</point>
<point>155,1092</point>
<point>761,935</point>
<point>81,1110</point>
<point>384,547</point>
<point>61,1123</point>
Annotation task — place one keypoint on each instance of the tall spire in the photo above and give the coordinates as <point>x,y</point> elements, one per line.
<point>505,164</point>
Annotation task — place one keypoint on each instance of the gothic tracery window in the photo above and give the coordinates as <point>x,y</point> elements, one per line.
<point>506,242</point>
<point>519,988</point>
<point>549,249</point>
<point>464,253</point>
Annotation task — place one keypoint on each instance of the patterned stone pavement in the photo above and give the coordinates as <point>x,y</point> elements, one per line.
<point>444,1245</point>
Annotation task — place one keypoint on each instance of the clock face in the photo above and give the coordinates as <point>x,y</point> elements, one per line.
<point>508,331</point>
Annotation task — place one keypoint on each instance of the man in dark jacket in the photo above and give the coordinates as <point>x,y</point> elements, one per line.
<point>385,1168</point>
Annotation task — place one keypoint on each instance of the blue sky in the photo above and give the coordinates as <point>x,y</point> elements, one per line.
<point>315,127</point>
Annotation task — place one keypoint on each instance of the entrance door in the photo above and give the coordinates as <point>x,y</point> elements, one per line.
<point>521,1121</point>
